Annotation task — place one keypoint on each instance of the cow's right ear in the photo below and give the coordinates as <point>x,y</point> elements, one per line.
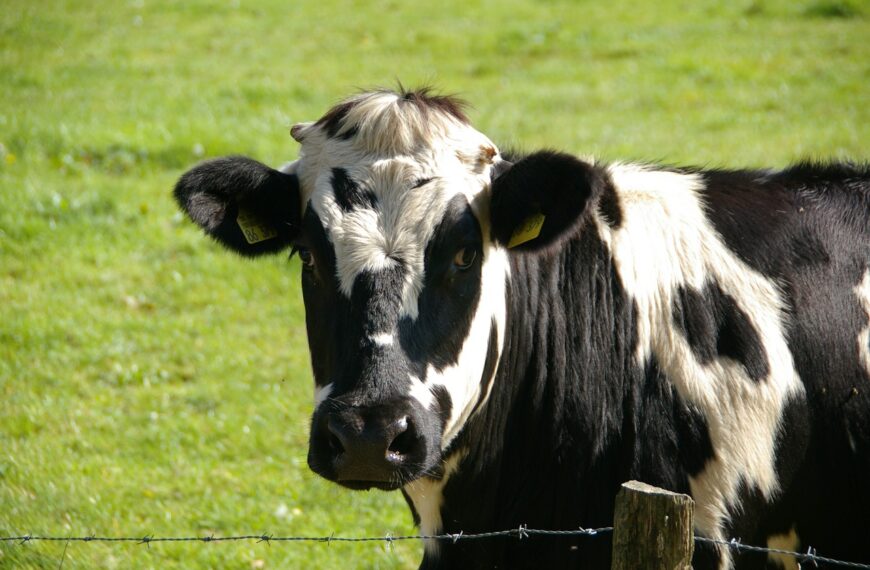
<point>243,204</point>
<point>541,200</point>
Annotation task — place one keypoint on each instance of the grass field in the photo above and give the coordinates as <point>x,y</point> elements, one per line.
<point>152,384</point>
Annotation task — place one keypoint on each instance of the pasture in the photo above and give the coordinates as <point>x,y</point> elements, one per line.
<point>152,384</point>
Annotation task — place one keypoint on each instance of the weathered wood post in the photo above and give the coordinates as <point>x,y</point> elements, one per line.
<point>652,529</point>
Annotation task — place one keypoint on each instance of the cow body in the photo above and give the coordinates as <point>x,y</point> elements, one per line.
<point>508,341</point>
<point>768,444</point>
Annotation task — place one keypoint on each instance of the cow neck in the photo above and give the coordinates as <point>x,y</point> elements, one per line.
<point>554,418</point>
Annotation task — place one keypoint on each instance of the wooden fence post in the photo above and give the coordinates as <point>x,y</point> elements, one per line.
<point>652,529</point>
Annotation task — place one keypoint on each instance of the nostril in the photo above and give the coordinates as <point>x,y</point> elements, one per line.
<point>335,437</point>
<point>403,444</point>
<point>405,440</point>
<point>335,444</point>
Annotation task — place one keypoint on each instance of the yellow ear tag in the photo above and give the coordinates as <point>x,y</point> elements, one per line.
<point>528,230</point>
<point>255,229</point>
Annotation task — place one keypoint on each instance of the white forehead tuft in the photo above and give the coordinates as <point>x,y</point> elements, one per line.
<point>379,125</point>
<point>388,125</point>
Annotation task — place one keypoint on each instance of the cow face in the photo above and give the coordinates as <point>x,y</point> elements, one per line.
<point>404,272</point>
<point>404,294</point>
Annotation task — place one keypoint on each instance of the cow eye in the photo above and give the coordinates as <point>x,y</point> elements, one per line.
<point>305,257</point>
<point>464,258</point>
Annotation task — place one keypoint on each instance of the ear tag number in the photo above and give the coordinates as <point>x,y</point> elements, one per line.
<point>528,230</point>
<point>254,228</point>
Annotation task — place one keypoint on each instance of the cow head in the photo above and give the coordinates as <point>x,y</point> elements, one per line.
<point>402,233</point>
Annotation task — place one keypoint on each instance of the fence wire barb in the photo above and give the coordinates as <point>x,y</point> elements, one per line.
<point>520,533</point>
<point>809,556</point>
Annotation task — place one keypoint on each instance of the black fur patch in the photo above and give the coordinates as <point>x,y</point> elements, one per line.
<point>670,431</point>
<point>695,448</point>
<point>778,220</point>
<point>333,121</point>
<point>327,313</point>
<point>376,298</point>
<point>348,193</point>
<point>608,206</point>
<point>449,298</point>
<point>809,249</point>
<point>715,326</point>
<point>445,404</point>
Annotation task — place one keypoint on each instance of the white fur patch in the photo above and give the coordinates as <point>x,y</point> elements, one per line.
<point>666,242</point>
<point>862,290</point>
<point>421,393</point>
<point>789,542</point>
<point>321,393</point>
<point>463,380</point>
<point>382,339</point>
<point>289,167</point>
<point>426,495</point>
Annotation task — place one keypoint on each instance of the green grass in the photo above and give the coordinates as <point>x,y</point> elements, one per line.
<point>153,384</point>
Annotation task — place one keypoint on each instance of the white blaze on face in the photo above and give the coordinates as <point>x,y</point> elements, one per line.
<point>464,381</point>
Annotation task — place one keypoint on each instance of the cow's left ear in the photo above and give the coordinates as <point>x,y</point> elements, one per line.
<point>541,199</point>
<point>243,204</point>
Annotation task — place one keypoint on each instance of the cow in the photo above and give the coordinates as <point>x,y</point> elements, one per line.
<point>508,338</point>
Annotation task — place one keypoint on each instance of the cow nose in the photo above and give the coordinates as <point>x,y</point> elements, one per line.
<point>371,447</point>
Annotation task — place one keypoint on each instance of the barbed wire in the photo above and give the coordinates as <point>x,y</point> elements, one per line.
<point>520,533</point>
<point>808,556</point>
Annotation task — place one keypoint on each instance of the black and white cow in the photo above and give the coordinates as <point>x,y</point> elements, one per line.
<point>508,341</point>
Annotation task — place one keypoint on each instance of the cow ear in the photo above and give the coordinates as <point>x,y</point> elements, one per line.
<point>243,204</point>
<point>541,199</point>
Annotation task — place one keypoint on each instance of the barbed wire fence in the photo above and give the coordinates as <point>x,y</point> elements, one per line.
<point>520,533</point>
